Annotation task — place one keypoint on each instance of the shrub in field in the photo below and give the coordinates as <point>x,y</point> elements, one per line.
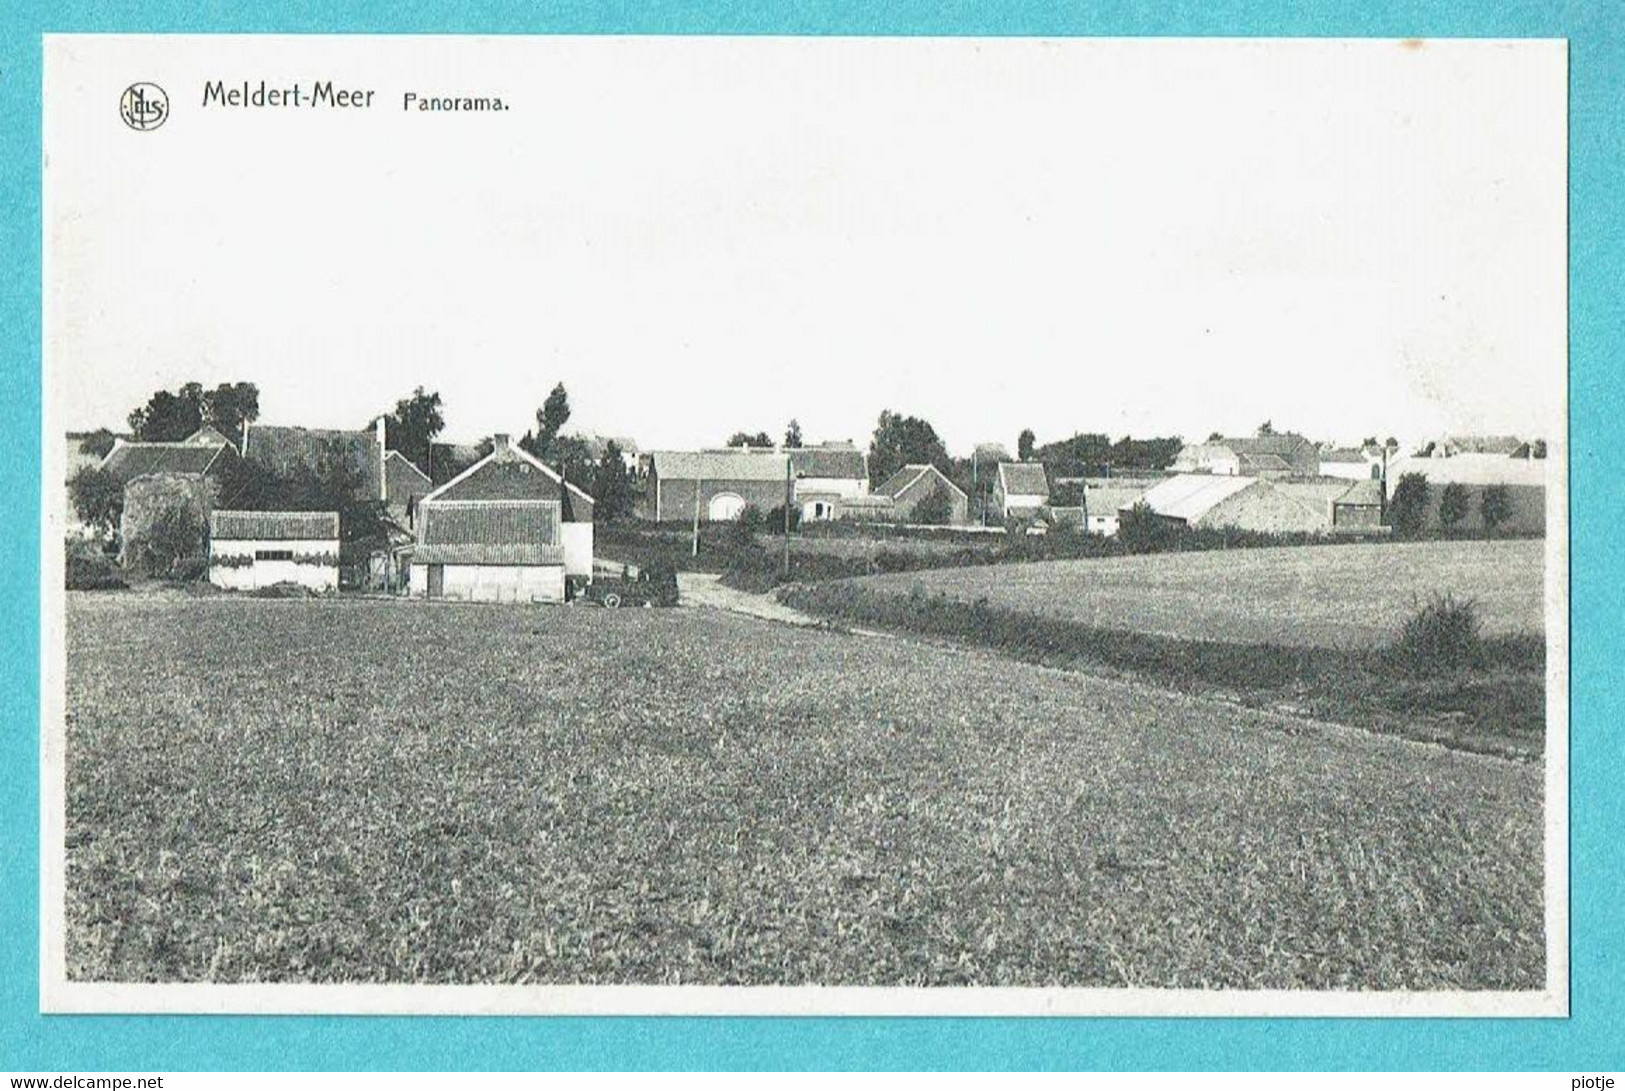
<point>1453,505</point>
<point>661,576</point>
<point>1407,508</point>
<point>774,523</point>
<point>1140,530</point>
<point>936,510</point>
<point>1495,507</point>
<point>740,533</point>
<point>92,572</point>
<point>189,568</point>
<point>1442,636</point>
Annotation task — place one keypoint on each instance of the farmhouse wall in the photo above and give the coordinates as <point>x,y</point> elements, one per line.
<point>920,491</point>
<point>264,573</point>
<point>493,583</point>
<point>675,497</point>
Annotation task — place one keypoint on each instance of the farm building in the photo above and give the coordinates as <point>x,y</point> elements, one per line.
<point>717,485</point>
<point>404,486</point>
<point>1245,503</point>
<point>917,483</point>
<point>250,549</point>
<point>1523,479</point>
<point>826,477</point>
<point>204,454</point>
<point>507,529</point>
<point>1478,445</point>
<point>1360,507</point>
<point>1020,488</point>
<point>1284,455</point>
<point>1102,502</point>
<point>1351,463</point>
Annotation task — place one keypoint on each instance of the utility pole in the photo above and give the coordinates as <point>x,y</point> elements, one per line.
<point>699,479</point>
<point>789,498</point>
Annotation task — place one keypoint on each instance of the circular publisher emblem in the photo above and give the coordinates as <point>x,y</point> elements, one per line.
<point>144,106</point>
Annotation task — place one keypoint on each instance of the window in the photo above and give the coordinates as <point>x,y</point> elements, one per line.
<point>273,554</point>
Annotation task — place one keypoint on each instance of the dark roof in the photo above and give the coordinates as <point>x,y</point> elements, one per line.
<point>1363,493</point>
<point>846,463</point>
<point>1484,445</point>
<point>285,449</point>
<point>1023,479</point>
<point>488,532</point>
<point>1252,463</point>
<point>274,526</point>
<point>1284,444</point>
<point>132,460</point>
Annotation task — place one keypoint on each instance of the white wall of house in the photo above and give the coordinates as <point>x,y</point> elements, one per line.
<point>266,569</point>
<point>493,582</point>
<point>1023,503</point>
<point>1351,471</point>
<point>844,487</point>
<point>1103,524</point>
<point>577,541</point>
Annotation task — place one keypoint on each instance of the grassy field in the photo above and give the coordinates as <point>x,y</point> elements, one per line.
<point>392,791</point>
<point>1341,596</point>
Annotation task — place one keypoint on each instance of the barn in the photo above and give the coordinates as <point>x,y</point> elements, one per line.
<point>507,529</point>
<point>252,549</point>
<point>1020,489</point>
<point>916,483</point>
<point>715,486</point>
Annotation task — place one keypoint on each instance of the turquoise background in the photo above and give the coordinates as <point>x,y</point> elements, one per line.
<point>1594,1038</point>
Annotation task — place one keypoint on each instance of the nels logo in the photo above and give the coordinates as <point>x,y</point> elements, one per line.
<point>144,106</point>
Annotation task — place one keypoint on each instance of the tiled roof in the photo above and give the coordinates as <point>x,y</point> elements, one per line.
<point>1344,454</point>
<point>1110,499</point>
<point>1253,463</point>
<point>488,532</point>
<point>902,479</point>
<point>1191,496</point>
<point>1023,479</point>
<point>734,465</point>
<point>274,526</point>
<point>844,463</point>
<point>1484,445</point>
<point>1366,493</point>
<point>132,460</point>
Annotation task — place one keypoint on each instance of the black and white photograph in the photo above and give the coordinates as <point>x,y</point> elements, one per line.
<point>805,526</point>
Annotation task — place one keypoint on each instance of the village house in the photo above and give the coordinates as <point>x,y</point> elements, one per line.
<point>1020,489</point>
<point>917,483</point>
<point>507,529</point>
<point>825,479</point>
<point>1359,507</point>
<point>204,454</point>
<point>1282,455</point>
<point>252,549</point>
<point>1104,498</point>
<point>1351,463</point>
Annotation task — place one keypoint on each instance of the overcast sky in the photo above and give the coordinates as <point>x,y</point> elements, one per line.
<point>704,235</point>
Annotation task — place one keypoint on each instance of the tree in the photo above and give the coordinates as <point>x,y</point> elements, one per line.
<point>612,485</point>
<point>97,496</point>
<point>1453,505</point>
<point>168,417</point>
<point>901,441</point>
<point>1025,444</point>
<point>1142,530</point>
<point>750,439</point>
<point>550,418</point>
<point>1407,508</point>
<point>1266,429</point>
<point>792,434</point>
<point>414,424</point>
<point>229,406</point>
<point>1391,443</point>
<point>1215,437</point>
<point>1537,449</point>
<point>97,443</point>
<point>935,510</point>
<point>1494,507</point>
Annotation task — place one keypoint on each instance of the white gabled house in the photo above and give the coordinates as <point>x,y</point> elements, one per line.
<point>252,549</point>
<point>507,529</point>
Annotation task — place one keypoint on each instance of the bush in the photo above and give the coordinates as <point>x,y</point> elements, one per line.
<point>92,572</point>
<point>190,568</point>
<point>1495,507</point>
<point>661,576</point>
<point>936,510</point>
<point>1407,508</point>
<point>1140,530</point>
<point>1453,504</point>
<point>1441,637</point>
<point>773,522</point>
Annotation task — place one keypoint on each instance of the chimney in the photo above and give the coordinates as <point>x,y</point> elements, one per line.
<point>499,442</point>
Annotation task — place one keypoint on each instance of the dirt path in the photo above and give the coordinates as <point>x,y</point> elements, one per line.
<point>704,589</point>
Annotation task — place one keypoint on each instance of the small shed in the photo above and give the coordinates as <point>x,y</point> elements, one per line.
<point>250,549</point>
